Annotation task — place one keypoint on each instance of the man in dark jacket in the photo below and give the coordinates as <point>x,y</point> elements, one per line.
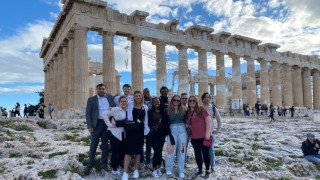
<point>96,106</point>
<point>310,149</point>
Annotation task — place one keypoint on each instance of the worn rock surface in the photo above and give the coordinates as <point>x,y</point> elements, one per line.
<point>246,148</point>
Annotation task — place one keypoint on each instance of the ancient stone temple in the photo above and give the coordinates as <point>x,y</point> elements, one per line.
<point>285,77</point>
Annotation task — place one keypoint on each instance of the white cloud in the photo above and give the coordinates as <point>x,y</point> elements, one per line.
<point>20,89</point>
<point>151,79</point>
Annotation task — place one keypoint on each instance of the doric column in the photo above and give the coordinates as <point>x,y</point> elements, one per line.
<point>276,84</point>
<point>161,65</point>
<point>46,88</point>
<point>264,82</point>
<point>287,85</point>
<point>236,79</point>
<point>251,81</point>
<point>65,75</point>
<point>307,98</point>
<point>118,89</point>
<point>51,84</point>
<point>55,79</point>
<point>183,70</point>
<point>220,80</point>
<point>81,69</point>
<point>316,90</point>
<point>212,90</point>
<point>136,64</point>
<point>202,72</point>
<point>71,70</point>
<point>108,66</point>
<point>59,80</point>
<point>297,87</point>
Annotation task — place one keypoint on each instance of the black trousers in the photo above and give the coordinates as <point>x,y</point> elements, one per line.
<point>117,149</point>
<point>157,140</point>
<point>199,150</point>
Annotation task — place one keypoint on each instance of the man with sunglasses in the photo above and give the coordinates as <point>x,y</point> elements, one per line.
<point>184,100</point>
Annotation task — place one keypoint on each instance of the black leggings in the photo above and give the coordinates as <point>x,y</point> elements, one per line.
<point>199,150</point>
<point>117,149</point>
<point>157,140</point>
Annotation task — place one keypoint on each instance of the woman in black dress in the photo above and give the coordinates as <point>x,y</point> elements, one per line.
<point>137,112</point>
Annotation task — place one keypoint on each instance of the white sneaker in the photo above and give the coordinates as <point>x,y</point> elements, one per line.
<point>169,174</point>
<point>116,174</point>
<point>181,175</point>
<point>125,176</point>
<point>159,172</point>
<point>155,174</point>
<point>136,174</point>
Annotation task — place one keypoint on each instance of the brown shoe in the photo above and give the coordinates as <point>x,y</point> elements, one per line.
<point>106,168</point>
<point>87,170</point>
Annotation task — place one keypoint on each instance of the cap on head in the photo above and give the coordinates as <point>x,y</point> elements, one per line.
<point>310,135</point>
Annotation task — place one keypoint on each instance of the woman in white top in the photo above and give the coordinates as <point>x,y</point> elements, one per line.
<point>117,134</point>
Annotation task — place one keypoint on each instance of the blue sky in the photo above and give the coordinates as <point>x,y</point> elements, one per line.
<point>293,24</point>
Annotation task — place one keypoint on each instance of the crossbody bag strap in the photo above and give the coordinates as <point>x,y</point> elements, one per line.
<point>191,118</point>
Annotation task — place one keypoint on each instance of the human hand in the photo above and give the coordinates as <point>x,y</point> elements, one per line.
<point>317,145</point>
<point>207,136</point>
<point>113,126</point>
<point>90,130</point>
<point>110,108</point>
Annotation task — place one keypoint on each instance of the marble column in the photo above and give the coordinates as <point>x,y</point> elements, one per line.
<point>65,75</point>
<point>202,72</point>
<point>51,85</point>
<point>307,98</point>
<point>236,80</point>
<point>220,80</point>
<point>212,90</point>
<point>264,82</point>
<point>251,81</point>
<point>287,85</point>
<point>108,66</point>
<point>276,84</point>
<point>136,64</point>
<point>118,89</point>
<point>59,80</point>
<point>297,87</point>
<point>161,65</point>
<point>71,70</point>
<point>81,69</point>
<point>183,70</point>
<point>46,89</point>
<point>316,90</point>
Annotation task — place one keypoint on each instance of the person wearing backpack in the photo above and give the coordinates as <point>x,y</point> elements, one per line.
<point>215,115</point>
<point>272,111</point>
<point>310,148</point>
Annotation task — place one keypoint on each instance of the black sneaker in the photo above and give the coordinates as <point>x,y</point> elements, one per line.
<point>207,175</point>
<point>87,170</point>
<point>199,173</point>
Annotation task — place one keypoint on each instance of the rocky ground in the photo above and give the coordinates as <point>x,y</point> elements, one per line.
<point>246,148</point>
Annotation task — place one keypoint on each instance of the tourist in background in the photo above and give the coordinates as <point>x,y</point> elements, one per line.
<point>25,111</point>
<point>41,110</point>
<point>164,100</point>
<point>96,106</point>
<point>310,148</point>
<point>292,111</point>
<point>116,136</point>
<point>1,110</point>
<point>199,121</point>
<point>137,113</point>
<point>279,111</point>
<point>158,122</point>
<point>215,115</point>
<point>4,112</point>
<point>177,145</point>
<point>126,88</point>
<point>272,111</point>
<point>309,113</point>
<point>284,111</point>
<point>51,109</point>
<point>257,108</point>
<point>147,101</point>
<point>17,110</point>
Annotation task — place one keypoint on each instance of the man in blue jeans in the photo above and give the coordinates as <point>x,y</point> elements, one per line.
<point>310,149</point>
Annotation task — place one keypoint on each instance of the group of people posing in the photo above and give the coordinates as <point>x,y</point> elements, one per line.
<point>168,124</point>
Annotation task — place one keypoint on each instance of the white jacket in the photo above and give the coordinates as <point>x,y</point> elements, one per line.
<point>130,117</point>
<point>118,114</point>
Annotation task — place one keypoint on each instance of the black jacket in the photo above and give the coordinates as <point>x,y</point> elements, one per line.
<point>308,147</point>
<point>164,124</point>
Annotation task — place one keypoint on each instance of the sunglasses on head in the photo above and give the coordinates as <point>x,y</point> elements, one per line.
<point>176,100</point>
<point>192,100</point>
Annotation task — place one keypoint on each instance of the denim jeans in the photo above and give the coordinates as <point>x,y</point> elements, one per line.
<point>99,132</point>
<point>211,152</point>
<point>313,158</point>
<point>179,134</point>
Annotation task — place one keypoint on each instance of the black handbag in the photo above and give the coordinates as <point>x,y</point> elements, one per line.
<point>132,125</point>
<point>122,123</point>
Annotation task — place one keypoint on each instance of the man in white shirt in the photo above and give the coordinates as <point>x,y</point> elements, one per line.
<point>96,106</point>
<point>126,88</point>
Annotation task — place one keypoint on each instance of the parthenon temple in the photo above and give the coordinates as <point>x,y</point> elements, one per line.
<point>67,73</point>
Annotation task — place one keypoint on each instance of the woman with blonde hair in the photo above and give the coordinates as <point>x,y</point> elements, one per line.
<point>136,129</point>
<point>199,122</point>
<point>177,145</point>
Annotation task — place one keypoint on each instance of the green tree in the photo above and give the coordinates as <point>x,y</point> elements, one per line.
<point>33,108</point>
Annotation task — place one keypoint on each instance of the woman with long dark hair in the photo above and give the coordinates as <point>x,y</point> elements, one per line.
<point>138,118</point>
<point>158,122</point>
<point>199,121</point>
<point>176,115</point>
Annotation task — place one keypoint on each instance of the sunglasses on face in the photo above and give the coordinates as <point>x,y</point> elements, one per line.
<point>184,98</point>
<point>123,101</point>
<point>192,100</point>
<point>176,100</point>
